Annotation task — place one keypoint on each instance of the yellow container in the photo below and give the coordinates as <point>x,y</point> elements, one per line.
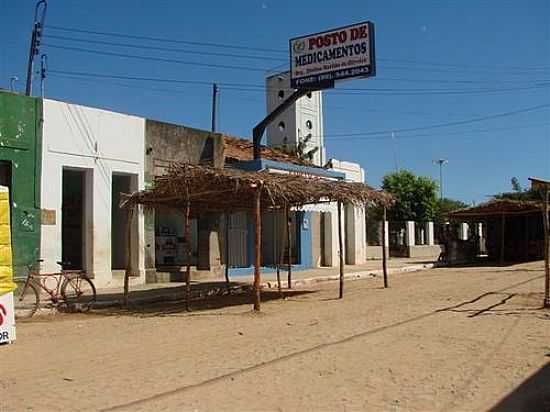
<point>6,266</point>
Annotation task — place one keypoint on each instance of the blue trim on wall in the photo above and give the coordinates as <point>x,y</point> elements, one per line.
<point>303,243</point>
<point>261,164</point>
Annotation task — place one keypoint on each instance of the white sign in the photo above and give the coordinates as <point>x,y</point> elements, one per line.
<point>317,60</point>
<point>7,318</point>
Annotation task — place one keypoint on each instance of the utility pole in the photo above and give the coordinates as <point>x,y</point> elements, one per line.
<point>440,162</point>
<point>43,68</point>
<point>214,101</point>
<point>37,31</point>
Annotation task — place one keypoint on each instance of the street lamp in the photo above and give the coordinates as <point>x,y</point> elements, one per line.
<point>440,162</point>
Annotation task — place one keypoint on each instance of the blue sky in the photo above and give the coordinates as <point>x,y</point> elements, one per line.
<point>438,62</point>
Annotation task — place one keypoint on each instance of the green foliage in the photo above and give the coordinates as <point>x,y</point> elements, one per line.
<point>445,206</point>
<point>518,193</point>
<point>416,196</point>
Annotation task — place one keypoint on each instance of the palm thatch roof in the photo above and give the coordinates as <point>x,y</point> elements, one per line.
<point>221,190</point>
<point>498,207</point>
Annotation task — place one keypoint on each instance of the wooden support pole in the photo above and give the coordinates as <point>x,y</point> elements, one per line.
<point>384,246</point>
<point>340,251</point>
<point>288,247</point>
<point>502,237</point>
<point>280,248</point>
<point>128,271</point>
<point>546,248</point>
<point>188,254</point>
<point>227,282</point>
<point>257,246</point>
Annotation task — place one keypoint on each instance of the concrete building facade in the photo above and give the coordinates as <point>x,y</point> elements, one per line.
<point>303,120</point>
<point>89,157</point>
<point>20,158</point>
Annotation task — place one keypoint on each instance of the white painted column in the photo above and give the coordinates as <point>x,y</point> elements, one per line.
<point>387,235</point>
<point>463,231</point>
<point>409,233</point>
<point>430,234</point>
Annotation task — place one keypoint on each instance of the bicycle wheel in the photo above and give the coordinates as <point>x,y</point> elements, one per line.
<point>79,292</point>
<point>26,299</point>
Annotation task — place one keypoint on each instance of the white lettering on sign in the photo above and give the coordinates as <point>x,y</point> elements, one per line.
<point>333,55</point>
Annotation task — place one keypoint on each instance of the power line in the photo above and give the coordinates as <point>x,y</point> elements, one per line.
<point>247,87</point>
<point>457,68</point>
<point>439,134</point>
<point>164,39</point>
<point>168,49</point>
<point>447,124</point>
<point>158,59</point>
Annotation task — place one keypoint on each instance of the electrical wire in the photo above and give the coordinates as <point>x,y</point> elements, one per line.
<point>168,49</point>
<point>247,87</point>
<point>163,39</point>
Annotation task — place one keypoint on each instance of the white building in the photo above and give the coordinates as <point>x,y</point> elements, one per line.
<point>89,156</point>
<point>302,119</point>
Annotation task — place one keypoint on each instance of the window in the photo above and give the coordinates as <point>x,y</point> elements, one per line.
<point>281,94</point>
<point>282,126</point>
<point>309,124</point>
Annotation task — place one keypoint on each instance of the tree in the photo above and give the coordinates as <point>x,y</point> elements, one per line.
<point>517,192</point>
<point>416,196</point>
<point>445,206</point>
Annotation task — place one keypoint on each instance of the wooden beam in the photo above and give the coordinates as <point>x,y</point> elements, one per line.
<point>502,237</point>
<point>227,282</point>
<point>384,246</point>
<point>257,246</point>
<point>188,254</point>
<point>288,247</point>
<point>340,252</point>
<point>128,271</point>
<point>546,248</point>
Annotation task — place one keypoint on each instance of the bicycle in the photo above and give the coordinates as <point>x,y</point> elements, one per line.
<point>70,287</point>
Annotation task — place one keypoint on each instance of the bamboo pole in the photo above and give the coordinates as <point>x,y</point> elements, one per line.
<point>384,255</point>
<point>227,219</point>
<point>546,249</point>
<point>502,231</point>
<point>288,247</point>
<point>128,271</point>
<point>257,246</point>
<point>340,252</point>
<point>188,253</point>
<point>282,246</point>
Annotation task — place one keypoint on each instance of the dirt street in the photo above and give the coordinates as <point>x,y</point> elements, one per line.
<point>462,339</point>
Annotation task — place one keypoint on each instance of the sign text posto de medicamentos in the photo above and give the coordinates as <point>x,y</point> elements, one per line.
<point>320,59</point>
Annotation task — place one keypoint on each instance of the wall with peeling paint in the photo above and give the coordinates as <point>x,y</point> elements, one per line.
<point>99,143</point>
<point>20,147</point>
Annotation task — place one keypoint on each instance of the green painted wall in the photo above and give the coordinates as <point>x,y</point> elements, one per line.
<point>21,146</point>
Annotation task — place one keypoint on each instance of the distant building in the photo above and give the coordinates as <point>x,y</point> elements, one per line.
<point>302,122</point>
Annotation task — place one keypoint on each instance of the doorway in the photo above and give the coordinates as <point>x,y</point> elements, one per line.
<point>121,183</point>
<point>72,219</point>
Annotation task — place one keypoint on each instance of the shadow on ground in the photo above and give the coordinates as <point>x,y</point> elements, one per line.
<point>533,395</point>
<point>198,305</point>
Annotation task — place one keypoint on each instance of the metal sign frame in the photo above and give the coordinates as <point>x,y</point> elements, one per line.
<point>326,79</point>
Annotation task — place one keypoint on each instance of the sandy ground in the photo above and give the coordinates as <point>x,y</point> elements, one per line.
<point>462,339</point>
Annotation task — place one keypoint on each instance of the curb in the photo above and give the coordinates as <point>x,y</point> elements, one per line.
<point>220,291</point>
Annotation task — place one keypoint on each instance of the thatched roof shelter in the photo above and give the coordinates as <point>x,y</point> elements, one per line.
<point>229,190</point>
<point>194,188</point>
<point>497,207</point>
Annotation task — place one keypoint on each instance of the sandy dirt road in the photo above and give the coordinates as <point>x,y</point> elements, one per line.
<point>461,339</point>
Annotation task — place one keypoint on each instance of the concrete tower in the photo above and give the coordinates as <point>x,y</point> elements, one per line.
<point>303,118</point>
